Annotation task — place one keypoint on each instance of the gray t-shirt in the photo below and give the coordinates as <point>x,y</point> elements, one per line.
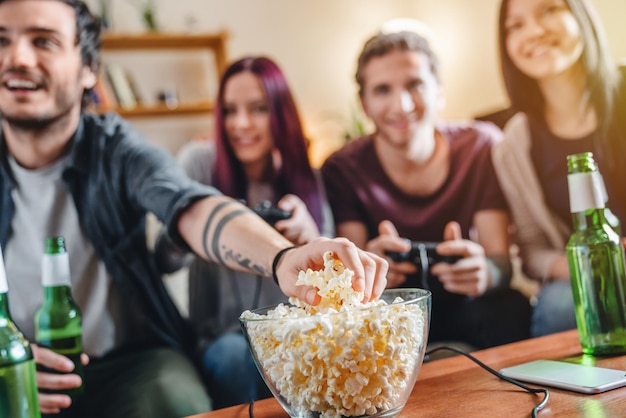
<point>45,208</point>
<point>218,295</point>
<point>198,157</point>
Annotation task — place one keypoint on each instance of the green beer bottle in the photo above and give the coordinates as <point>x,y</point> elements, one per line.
<point>18,385</point>
<point>596,262</point>
<point>58,321</point>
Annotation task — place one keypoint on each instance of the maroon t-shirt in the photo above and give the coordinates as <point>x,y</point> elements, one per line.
<point>358,188</point>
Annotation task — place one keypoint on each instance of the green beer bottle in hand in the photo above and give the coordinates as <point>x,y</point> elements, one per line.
<point>18,385</point>
<point>596,262</point>
<point>58,321</point>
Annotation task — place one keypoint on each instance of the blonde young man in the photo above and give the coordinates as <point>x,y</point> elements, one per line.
<point>414,178</point>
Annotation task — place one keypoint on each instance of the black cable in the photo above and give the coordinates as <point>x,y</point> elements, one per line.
<point>257,292</point>
<point>238,294</point>
<point>425,266</point>
<point>255,305</point>
<point>235,289</point>
<point>545,391</point>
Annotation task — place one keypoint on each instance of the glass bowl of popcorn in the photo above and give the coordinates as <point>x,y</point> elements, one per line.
<point>341,358</point>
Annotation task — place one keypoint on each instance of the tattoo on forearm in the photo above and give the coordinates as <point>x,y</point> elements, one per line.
<point>229,254</point>
<point>208,223</point>
<point>245,262</point>
<point>218,232</point>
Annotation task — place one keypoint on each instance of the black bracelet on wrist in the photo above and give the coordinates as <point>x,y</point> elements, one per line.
<point>277,258</point>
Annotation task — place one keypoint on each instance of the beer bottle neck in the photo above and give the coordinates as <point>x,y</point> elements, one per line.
<point>57,294</point>
<point>586,199</point>
<point>588,219</point>
<point>4,291</point>
<point>586,191</point>
<point>5,315</point>
<point>55,270</point>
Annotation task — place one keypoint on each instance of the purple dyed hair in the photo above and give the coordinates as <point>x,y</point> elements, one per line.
<point>295,176</point>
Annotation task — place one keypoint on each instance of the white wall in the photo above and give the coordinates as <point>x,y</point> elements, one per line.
<point>316,43</point>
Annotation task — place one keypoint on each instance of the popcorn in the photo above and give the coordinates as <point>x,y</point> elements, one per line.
<point>342,357</point>
<point>334,284</point>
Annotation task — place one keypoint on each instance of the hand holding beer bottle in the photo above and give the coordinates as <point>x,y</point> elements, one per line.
<point>18,387</point>
<point>58,321</point>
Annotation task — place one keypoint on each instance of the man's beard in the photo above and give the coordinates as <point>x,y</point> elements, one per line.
<point>415,147</point>
<point>31,124</point>
<point>35,124</point>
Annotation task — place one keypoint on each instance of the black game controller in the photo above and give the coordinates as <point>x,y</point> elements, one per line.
<point>423,255</point>
<point>269,213</point>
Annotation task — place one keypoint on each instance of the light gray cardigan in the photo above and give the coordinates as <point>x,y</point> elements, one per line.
<point>541,235</point>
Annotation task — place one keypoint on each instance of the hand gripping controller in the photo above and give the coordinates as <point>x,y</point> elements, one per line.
<point>269,213</point>
<point>420,251</point>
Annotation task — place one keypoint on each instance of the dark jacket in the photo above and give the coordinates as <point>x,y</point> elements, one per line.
<point>115,177</point>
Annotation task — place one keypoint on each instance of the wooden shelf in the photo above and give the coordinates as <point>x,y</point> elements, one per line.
<point>182,109</point>
<point>158,40</point>
<point>214,43</point>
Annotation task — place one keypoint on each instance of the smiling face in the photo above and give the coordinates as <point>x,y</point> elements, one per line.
<point>543,38</point>
<point>401,95</point>
<point>42,76</point>
<point>247,119</point>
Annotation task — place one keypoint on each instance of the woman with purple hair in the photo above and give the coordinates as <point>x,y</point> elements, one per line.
<point>259,155</point>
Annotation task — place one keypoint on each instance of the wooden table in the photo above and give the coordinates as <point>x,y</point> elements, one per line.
<point>457,387</point>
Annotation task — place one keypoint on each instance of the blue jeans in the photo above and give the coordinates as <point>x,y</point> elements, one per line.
<point>554,311</point>
<point>231,375</point>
